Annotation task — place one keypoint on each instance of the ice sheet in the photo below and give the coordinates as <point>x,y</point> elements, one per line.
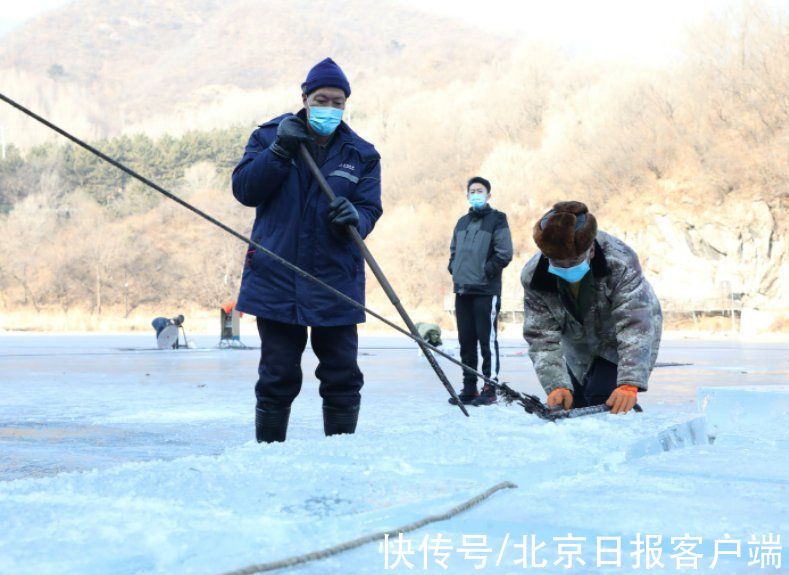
<point>118,461</point>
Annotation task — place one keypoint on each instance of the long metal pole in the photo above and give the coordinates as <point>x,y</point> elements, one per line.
<point>379,275</point>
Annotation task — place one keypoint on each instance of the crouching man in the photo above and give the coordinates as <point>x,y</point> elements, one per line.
<point>592,321</point>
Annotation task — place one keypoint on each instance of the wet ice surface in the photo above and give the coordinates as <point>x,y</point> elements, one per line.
<point>115,458</point>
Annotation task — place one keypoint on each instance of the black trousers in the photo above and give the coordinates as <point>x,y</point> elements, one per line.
<point>598,384</point>
<point>477,318</point>
<point>279,371</point>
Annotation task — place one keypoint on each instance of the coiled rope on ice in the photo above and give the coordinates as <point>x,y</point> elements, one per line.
<point>348,545</point>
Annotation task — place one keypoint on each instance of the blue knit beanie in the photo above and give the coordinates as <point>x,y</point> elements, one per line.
<point>326,74</point>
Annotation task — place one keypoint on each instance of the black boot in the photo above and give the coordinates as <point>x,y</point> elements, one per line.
<point>271,423</point>
<point>468,395</point>
<point>338,420</point>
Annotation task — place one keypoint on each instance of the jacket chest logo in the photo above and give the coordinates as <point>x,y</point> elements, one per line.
<point>349,167</point>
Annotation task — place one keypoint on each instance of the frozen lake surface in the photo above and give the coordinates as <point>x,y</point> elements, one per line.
<point>118,458</point>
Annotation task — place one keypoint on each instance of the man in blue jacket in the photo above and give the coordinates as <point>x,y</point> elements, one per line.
<point>295,220</point>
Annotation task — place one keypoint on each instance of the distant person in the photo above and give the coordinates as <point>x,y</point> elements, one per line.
<point>592,321</point>
<point>430,332</point>
<point>480,249</point>
<point>295,220</point>
<point>167,331</point>
<point>230,326</point>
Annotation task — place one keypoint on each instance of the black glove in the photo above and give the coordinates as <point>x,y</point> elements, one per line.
<point>342,214</point>
<point>291,133</point>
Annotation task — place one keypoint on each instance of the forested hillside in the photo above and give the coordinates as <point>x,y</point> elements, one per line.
<point>686,163</point>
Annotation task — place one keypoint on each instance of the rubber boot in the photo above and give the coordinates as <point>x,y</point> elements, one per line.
<point>337,420</point>
<point>271,423</point>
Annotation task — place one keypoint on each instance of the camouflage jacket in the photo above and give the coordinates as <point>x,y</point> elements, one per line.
<point>622,324</point>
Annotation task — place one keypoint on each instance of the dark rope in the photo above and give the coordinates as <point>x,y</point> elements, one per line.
<point>530,403</point>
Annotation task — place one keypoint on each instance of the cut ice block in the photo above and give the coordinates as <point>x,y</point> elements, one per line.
<point>693,432</point>
<point>747,410</point>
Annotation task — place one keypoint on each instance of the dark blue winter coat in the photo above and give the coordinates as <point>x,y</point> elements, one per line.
<point>292,221</point>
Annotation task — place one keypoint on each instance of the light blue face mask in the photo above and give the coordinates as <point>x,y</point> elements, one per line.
<point>325,119</point>
<point>478,200</point>
<point>573,274</point>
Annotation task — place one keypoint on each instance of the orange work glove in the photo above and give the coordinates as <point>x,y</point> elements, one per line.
<point>561,397</point>
<point>623,398</point>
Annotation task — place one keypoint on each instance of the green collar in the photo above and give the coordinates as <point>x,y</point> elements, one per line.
<point>579,306</point>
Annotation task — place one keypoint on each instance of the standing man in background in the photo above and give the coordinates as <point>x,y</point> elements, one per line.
<point>294,219</point>
<point>481,248</point>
